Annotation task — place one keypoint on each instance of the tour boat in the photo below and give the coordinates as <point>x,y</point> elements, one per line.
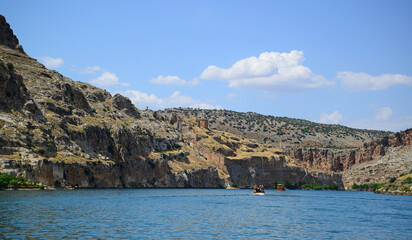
<point>258,190</point>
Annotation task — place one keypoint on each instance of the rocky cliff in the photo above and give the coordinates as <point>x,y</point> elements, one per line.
<point>60,132</point>
<point>244,162</point>
<point>374,162</point>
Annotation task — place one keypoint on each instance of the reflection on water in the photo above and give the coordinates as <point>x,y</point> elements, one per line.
<point>204,214</point>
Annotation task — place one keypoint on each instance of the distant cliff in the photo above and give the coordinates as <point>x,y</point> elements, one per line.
<point>375,162</point>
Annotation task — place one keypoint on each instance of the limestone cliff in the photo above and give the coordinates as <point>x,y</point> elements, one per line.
<point>60,132</point>
<point>55,130</point>
<point>243,162</point>
<point>374,162</point>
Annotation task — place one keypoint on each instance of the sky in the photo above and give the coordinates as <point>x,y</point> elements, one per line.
<point>336,62</point>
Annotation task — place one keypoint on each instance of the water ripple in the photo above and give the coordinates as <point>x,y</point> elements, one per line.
<point>203,214</point>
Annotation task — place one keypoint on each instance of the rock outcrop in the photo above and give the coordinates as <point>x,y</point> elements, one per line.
<point>139,173</point>
<point>396,161</point>
<point>7,36</point>
<point>343,159</point>
<point>247,172</point>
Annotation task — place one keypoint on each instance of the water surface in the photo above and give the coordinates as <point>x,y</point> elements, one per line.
<point>203,214</point>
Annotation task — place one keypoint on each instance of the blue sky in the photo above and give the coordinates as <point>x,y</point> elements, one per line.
<point>342,62</point>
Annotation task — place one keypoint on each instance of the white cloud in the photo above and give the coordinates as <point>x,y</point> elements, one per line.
<point>359,82</point>
<point>108,79</point>
<point>50,62</point>
<point>271,71</point>
<point>333,118</point>
<point>383,113</point>
<point>90,70</point>
<point>173,80</point>
<point>383,120</point>
<point>231,96</point>
<point>142,100</point>
<point>395,124</point>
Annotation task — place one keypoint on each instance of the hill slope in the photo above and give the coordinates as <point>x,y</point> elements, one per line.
<point>280,131</point>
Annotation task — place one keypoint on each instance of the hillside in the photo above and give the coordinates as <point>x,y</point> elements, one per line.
<point>54,129</point>
<point>61,133</point>
<point>280,131</point>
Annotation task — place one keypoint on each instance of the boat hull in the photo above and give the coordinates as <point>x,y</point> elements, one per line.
<point>259,193</point>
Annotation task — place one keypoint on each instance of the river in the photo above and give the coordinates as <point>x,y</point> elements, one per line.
<point>203,214</point>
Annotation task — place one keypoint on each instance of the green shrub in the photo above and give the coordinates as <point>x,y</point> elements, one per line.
<point>392,180</point>
<point>41,151</point>
<point>176,146</point>
<point>7,180</point>
<point>334,186</point>
<point>290,185</point>
<point>4,180</point>
<point>14,183</point>
<point>10,66</point>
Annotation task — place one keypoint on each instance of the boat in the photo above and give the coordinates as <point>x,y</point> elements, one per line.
<point>258,190</point>
<point>280,187</point>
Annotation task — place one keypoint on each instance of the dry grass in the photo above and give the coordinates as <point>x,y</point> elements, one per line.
<point>13,156</point>
<point>61,157</point>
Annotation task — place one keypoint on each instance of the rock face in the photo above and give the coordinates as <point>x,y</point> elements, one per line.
<point>323,159</point>
<point>123,103</point>
<point>267,171</point>
<point>342,160</point>
<point>203,123</point>
<point>13,93</point>
<point>7,37</point>
<point>101,174</point>
<point>374,162</point>
<point>396,161</point>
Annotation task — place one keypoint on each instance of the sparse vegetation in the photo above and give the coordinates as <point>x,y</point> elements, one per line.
<point>314,186</point>
<point>290,131</point>
<point>367,187</point>
<point>41,151</point>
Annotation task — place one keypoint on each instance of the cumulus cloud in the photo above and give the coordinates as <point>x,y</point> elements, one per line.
<point>382,113</point>
<point>383,120</point>
<point>359,82</point>
<point>142,99</point>
<point>90,70</point>
<point>108,79</point>
<point>394,124</point>
<point>173,80</point>
<point>50,62</point>
<point>333,118</point>
<point>271,71</point>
